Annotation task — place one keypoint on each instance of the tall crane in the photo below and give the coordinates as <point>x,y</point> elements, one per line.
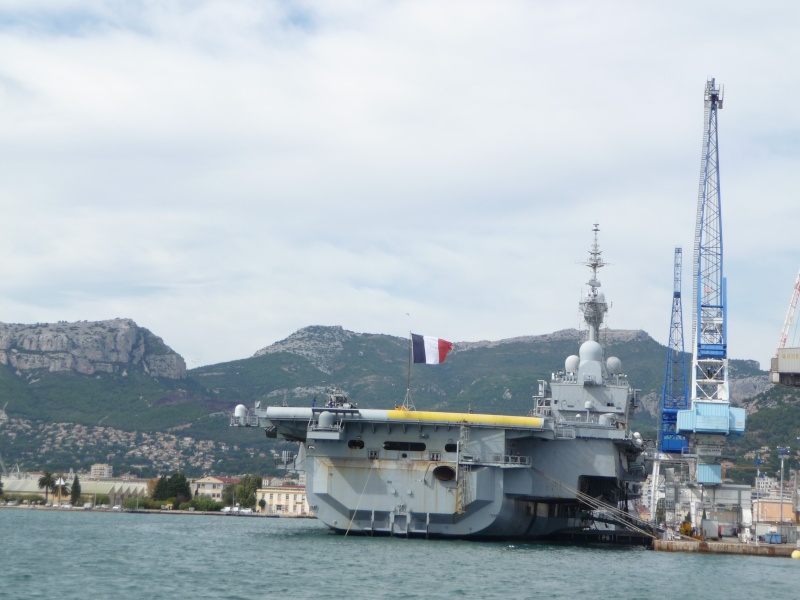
<point>709,329</point>
<point>784,365</point>
<point>787,324</point>
<point>675,394</point>
<point>710,419</point>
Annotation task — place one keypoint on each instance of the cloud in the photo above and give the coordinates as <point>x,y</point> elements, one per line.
<point>225,173</point>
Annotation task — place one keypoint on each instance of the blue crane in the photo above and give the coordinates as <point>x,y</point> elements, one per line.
<point>675,394</point>
<point>710,418</point>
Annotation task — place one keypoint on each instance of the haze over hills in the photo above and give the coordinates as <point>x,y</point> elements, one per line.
<point>110,391</point>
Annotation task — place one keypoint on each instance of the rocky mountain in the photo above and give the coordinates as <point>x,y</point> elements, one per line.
<point>322,346</point>
<point>85,347</point>
<point>111,391</point>
<point>332,350</point>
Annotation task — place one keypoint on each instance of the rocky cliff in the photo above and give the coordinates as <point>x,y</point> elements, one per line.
<point>320,344</point>
<point>88,347</point>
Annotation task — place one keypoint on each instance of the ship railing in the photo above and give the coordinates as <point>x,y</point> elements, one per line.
<point>565,433</point>
<point>580,416</point>
<point>250,419</point>
<point>497,460</point>
<point>315,426</point>
<point>318,430</point>
<point>541,408</point>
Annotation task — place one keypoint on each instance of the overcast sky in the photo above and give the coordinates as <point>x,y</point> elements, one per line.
<point>227,172</point>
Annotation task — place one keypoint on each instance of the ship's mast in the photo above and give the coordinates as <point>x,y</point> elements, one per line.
<point>594,305</point>
<point>709,330</point>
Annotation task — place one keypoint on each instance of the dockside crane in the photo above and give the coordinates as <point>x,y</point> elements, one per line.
<point>785,367</point>
<point>787,323</point>
<point>709,420</point>
<point>675,393</point>
<point>674,397</point>
<point>709,330</point>
<point>704,423</point>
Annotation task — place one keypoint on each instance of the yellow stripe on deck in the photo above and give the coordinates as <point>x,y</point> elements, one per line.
<point>443,417</point>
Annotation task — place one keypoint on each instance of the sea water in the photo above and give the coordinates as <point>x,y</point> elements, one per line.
<point>70,554</point>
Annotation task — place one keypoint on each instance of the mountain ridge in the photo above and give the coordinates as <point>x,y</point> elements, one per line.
<point>189,415</point>
<point>88,347</point>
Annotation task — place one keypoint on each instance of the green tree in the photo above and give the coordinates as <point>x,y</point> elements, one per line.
<point>242,493</point>
<point>161,491</point>
<point>178,487</point>
<point>229,494</point>
<point>75,493</point>
<point>205,503</point>
<point>47,482</point>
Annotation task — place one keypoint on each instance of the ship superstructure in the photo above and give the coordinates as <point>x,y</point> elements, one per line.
<point>565,469</point>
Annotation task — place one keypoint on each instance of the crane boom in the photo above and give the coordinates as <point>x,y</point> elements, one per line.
<point>709,331</point>
<point>789,316</point>
<point>710,420</point>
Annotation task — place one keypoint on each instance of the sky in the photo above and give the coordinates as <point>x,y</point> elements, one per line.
<point>225,173</point>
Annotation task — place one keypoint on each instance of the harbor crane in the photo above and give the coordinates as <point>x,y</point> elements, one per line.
<point>709,327</point>
<point>675,393</point>
<point>787,324</point>
<point>785,367</point>
<point>709,420</point>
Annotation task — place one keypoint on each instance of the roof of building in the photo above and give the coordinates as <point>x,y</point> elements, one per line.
<point>107,487</point>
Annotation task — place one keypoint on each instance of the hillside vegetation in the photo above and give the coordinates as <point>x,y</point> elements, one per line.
<point>147,424</point>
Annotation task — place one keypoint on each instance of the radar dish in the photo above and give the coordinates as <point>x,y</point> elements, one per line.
<point>571,364</point>
<point>614,365</point>
<point>591,351</point>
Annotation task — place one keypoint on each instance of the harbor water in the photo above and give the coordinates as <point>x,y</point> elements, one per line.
<point>69,554</point>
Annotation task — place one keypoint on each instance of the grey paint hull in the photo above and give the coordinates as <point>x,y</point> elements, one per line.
<point>374,473</point>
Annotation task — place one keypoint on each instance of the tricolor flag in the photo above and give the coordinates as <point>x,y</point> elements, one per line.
<point>429,350</point>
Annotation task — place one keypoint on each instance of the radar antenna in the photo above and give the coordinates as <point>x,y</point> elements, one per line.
<point>594,305</point>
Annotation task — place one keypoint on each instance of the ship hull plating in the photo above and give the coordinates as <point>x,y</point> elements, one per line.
<point>450,475</point>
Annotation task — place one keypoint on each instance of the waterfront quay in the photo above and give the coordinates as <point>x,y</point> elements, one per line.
<point>703,547</point>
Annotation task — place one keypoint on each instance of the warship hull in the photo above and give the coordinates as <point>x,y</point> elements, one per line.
<point>430,474</point>
<point>569,467</point>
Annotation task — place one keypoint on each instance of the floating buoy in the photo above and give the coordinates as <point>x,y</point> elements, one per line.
<point>796,554</point>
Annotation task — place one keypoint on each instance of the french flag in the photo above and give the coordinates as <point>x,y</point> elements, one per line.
<point>429,350</point>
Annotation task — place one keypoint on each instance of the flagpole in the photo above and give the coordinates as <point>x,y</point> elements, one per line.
<point>408,404</point>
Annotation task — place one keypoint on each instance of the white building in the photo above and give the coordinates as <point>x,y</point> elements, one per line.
<point>102,471</point>
<point>211,486</point>
<point>283,500</point>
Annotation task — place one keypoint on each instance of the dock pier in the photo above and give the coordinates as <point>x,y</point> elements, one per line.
<point>784,550</point>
